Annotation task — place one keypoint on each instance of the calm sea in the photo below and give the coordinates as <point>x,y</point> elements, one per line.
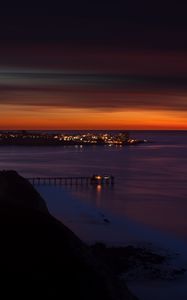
<point>150,179</point>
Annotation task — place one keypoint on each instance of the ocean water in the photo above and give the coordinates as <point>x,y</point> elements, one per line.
<point>150,179</point>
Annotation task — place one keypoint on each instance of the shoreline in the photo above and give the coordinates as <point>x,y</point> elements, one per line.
<point>93,225</point>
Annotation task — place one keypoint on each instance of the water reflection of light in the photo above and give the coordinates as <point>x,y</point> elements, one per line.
<point>99,187</point>
<point>98,195</point>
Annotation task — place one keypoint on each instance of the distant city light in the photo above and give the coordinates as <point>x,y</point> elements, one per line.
<point>110,139</point>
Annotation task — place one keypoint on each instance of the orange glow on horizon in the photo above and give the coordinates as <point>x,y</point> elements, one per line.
<point>23,117</point>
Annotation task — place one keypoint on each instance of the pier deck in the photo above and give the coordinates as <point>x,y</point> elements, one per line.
<point>77,180</point>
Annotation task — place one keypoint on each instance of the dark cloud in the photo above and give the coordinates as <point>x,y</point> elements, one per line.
<point>93,91</point>
<point>62,80</point>
<point>100,56</point>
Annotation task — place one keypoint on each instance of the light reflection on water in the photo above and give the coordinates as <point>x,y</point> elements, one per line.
<point>98,195</point>
<point>150,180</point>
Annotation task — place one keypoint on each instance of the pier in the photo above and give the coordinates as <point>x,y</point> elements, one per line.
<point>87,180</point>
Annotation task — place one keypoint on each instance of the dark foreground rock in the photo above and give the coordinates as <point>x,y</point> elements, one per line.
<point>135,263</point>
<point>123,259</point>
<point>40,257</point>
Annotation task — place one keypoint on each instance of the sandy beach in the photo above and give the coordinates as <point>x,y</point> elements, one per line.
<point>94,225</point>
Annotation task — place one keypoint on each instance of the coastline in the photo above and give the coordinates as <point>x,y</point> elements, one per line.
<point>41,257</point>
<point>94,225</point>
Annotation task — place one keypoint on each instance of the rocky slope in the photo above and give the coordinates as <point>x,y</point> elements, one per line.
<point>40,257</point>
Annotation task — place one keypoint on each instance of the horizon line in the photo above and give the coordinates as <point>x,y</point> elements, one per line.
<point>50,129</point>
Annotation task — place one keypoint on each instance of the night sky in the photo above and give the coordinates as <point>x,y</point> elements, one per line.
<point>118,65</point>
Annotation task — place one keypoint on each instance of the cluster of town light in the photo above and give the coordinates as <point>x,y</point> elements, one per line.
<point>61,138</point>
<point>90,138</point>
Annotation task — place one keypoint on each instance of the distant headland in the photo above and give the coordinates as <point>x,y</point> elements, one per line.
<point>40,138</point>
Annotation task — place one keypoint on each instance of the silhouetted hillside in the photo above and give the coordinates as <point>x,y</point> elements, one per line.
<point>42,258</point>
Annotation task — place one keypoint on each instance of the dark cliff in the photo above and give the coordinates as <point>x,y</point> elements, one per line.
<point>40,257</point>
